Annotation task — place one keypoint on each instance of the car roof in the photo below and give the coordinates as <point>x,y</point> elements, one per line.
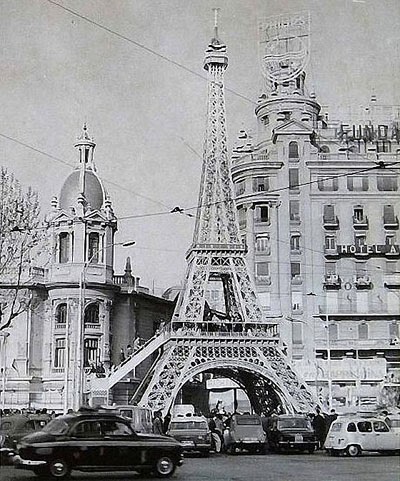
<point>183,419</point>
<point>89,416</point>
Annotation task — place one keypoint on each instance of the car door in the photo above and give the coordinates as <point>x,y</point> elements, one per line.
<point>384,438</point>
<point>87,444</point>
<point>366,436</point>
<point>120,443</point>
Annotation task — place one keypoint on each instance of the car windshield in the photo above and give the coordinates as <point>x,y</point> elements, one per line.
<point>294,423</point>
<point>189,425</point>
<point>56,426</point>
<point>248,421</point>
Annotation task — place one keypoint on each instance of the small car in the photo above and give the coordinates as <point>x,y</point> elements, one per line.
<point>96,441</point>
<point>290,432</point>
<point>244,431</point>
<point>192,432</point>
<point>354,435</point>
<point>15,427</point>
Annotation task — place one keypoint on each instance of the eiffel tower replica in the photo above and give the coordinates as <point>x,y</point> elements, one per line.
<point>237,343</point>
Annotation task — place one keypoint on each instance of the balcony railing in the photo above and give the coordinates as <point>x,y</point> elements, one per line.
<point>297,280</point>
<point>391,222</point>
<point>332,281</point>
<point>392,281</point>
<point>362,282</point>
<point>331,222</point>
<point>360,222</point>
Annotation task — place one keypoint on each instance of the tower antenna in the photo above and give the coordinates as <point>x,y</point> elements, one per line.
<point>216,13</point>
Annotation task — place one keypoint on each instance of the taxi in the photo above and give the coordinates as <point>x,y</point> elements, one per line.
<point>354,435</point>
<point>192,432</point>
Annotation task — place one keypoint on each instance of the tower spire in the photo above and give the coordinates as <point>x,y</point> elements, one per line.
<point>216,14</point>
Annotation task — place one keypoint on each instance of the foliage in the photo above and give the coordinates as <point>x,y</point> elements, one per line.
<point>20,237</point>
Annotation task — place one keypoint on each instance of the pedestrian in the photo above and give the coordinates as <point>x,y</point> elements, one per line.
<point>129,350</point>
<point>122,355</point>
<point>167,420</point>
<point>217,428</point>
<point>158,423</point>
<point>332,416</point>
<point>319,425</point>
<point>136,344</point>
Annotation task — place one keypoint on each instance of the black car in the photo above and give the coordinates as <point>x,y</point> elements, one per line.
<point>16,426</point>
<point>290,432</point>
<point>96,441</point>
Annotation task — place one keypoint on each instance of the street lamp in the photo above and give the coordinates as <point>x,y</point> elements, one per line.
<point>79,378</point>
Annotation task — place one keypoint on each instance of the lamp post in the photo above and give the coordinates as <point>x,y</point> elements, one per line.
<point>3,349</point>
<point>80,375</point>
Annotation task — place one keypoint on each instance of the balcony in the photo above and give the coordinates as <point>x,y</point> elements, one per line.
<point>391,222</point>
<point>392,281</point>
<point>362,282</point>
<point>332,281</point>
<point>330,251</point>
<point>264,280</point>
<point>360,222</point>
<point>331,223</point>
<point>297,280</point>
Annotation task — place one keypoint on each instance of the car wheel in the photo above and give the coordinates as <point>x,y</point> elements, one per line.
<point>58,468</point>
<point>353,450</point>
<point>164,467</point>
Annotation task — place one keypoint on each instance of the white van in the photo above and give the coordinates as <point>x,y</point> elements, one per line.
<point>353,435</point>
<point>141,418</point>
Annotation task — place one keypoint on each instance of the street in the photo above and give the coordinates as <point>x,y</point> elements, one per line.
<point>272,467</point>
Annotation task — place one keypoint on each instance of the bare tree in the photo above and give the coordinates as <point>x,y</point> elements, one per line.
<point>20,238</point>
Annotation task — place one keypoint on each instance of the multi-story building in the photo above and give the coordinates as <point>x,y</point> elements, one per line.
<point>318,204</point>
<point>82,314</point>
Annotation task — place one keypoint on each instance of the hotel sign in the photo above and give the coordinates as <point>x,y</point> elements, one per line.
<point>370,250</point>
<point>370,133</point>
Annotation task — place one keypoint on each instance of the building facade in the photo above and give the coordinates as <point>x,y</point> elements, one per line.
<point>83,314</point>
<point>318,204</point>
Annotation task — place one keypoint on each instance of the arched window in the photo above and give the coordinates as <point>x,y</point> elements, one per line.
<point>61,314</point>
<point>363,331</point>
<point>94,248</point>
<point>92,314</point>
<point>333,332</point>
<point>63,247</point>
<point>293,150</point>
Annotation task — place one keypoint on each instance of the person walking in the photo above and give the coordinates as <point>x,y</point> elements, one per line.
<point>216,432</point>
<point>158,423</point>
<point>319,425</point>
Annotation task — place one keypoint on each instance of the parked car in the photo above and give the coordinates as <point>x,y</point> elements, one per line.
<point>96,441</point>
<point>353,435</point>
<point>16,426</point>
<point>245,431</point>
<point>192,432</point>
<point>290,432</point>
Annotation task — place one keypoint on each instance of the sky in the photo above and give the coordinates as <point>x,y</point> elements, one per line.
<point>146,114</point>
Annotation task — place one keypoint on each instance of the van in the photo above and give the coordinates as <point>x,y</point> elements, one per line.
<point>244,431</point>
<point>353,435</point>
<point>192,432</point>
<point>141,418</point>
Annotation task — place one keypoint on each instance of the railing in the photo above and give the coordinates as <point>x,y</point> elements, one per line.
<point>266,331</point>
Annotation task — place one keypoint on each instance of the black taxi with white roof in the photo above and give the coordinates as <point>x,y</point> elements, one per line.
<point>96,441</point>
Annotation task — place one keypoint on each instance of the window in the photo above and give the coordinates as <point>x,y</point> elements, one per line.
<point>297,333</point>
<point>262,243</point>
<point>358,214</point>
<point>59,353</point>
<point>94,247</point>
<point>324,152</point>
<point>330,268</point>
<point>360,240</point>
<point>294,269</point>
<point>262,213</point>
<point>351,428</point>
<point>364,426</point>
<point>295,242</point>
<point>393,330</point>
<point>361,269</point>
<point>386,183</point>
<point>380,427</point>
<point>293,150</point>
<point>293,179</point>
<point>294,210</point>
<point>357,183</point>
<point>297,301</point>
<point>61,314</point>
<point>388,214</point>
<point>329,214</point>
<point>390,239</point>
<point>64,247</point>
<point>260,184</point>
<point>92,314</point>
<point>391,267</point>
<point>115,428</point>
<point>91,353</point>
<point>333,332</point>
<point>262,269</point>
<point>242,217</point>
<point>330,242</point>
<point>363,331</point>
<point>87,429</point>
<point>328,184</point>
<point>240,187</point>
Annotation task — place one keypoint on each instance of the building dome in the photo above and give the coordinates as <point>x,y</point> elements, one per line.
<point>71,190</point>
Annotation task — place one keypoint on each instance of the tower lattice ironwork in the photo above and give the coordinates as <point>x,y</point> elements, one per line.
<point>234,340</point>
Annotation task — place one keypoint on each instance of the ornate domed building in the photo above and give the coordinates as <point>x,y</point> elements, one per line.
<point>83,314</point>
